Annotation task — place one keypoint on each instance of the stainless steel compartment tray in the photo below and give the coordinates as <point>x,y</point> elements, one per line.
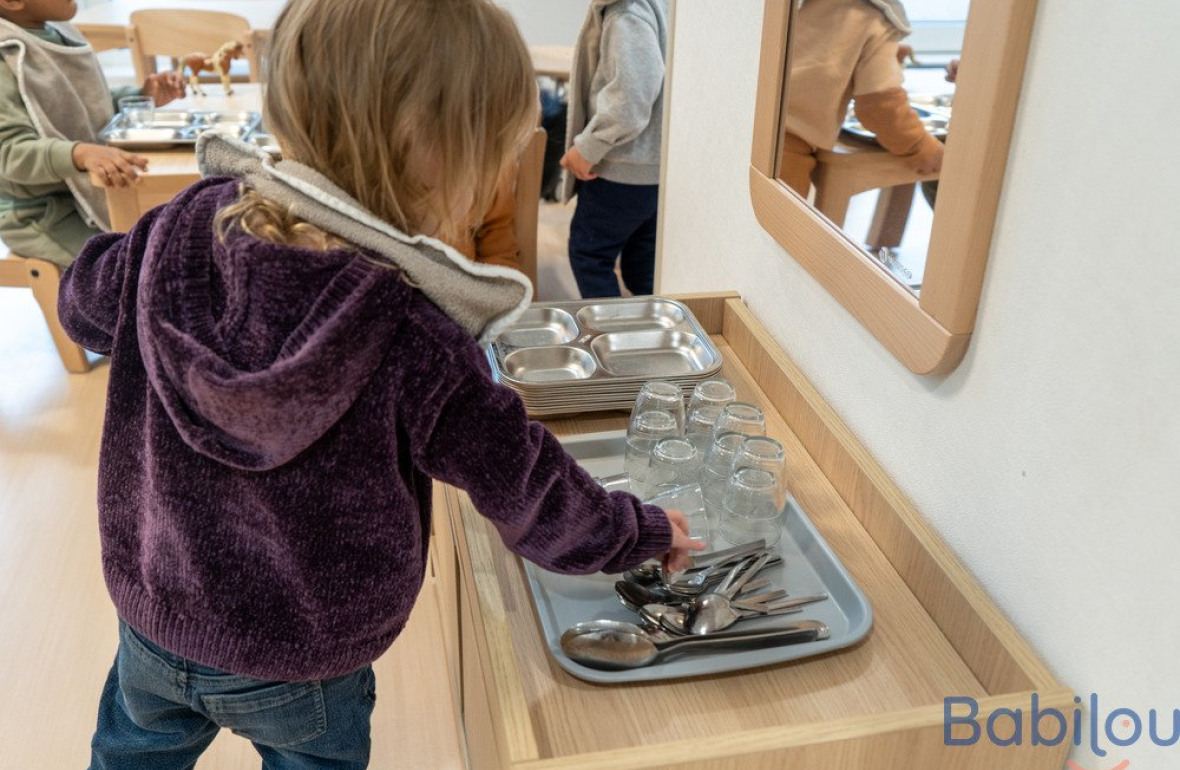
<point>178,128</point>
<point>629,341</point>
<point>809,566</point>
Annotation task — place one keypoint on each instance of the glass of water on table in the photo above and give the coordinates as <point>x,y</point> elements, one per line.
<point>138,111</point>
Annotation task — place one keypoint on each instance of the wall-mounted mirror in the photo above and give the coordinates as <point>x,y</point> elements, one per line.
<point>881,136</point>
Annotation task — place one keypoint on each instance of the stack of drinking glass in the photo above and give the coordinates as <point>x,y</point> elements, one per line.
<point>712,461</point>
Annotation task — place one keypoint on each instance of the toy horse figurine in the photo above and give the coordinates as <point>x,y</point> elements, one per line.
<point>196,63</point>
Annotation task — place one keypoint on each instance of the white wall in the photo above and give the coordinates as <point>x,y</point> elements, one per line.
<point>548,22</point>
<point>1050,460</point>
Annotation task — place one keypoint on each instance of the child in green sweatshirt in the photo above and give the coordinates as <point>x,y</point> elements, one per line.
<point>53,102</point>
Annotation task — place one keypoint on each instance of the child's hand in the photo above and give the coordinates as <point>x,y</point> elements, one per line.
<point>578,165</point>
<point>678,557</point>
<point>952,71</point>
<point>110,164</point>
<point>164,87</point>
<point>928,160</point>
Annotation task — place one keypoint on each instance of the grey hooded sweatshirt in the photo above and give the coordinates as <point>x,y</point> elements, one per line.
<point>616,110</point>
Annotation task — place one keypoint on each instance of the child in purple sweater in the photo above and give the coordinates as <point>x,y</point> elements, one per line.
<point>290,370</point>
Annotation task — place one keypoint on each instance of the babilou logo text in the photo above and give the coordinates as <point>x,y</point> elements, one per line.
<point>1117,728</point>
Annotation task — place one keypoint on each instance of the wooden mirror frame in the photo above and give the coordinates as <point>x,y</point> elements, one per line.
<point>929,335</point>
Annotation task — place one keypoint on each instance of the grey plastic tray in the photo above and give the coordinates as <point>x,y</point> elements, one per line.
<point>809,566</point>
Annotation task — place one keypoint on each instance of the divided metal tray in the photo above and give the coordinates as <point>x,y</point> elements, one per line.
<point>565,357</point>
<point>177,128</point>
<point>809,566</point>
<point>624,340</point>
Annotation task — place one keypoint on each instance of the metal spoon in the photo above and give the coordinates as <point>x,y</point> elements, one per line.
<point>647,574</point>
<point>634,596</point>
<point>715,612</point>
<point>699,582</point>
<point>615,648</point>
<point>784,604</point>
<point>667,617</point>
<point>712,611</point>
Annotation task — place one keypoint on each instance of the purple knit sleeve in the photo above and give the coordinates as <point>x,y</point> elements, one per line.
<point>92,288</point>
<point>474,434</point>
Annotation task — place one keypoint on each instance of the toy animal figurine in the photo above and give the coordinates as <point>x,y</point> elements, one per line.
<point>196,63</point>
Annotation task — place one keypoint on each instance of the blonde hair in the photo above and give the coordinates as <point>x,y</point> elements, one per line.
<point>416,108</point>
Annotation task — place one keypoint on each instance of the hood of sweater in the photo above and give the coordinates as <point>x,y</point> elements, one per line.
<point>893,11</point>
<point>255,349</point>
<point>483,299</point>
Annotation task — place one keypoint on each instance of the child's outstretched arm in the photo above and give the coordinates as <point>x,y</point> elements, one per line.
<point>883,107</point>
<point>25,156</point>
<point>93,286</point>
<point>467,431</point>
<point>634,67</point>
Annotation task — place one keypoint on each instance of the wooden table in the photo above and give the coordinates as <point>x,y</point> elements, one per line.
<point>170,171</point>
<point>878,705</point>
<point>554,61</point>
<point>852,167</point>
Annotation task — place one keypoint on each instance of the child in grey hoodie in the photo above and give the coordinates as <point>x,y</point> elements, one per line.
<point>613,145</point>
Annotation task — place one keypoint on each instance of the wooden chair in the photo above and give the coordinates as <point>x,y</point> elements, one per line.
<point>175,33</point>
<point>849,169</point>
<point>43,278</point>
<point>528,201</point>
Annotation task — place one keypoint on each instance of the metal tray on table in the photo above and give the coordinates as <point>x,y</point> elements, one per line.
<point>584,344</point>
<point>809,566</point>
<point>177,128</point>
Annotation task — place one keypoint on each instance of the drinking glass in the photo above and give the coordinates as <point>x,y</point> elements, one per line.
<point>740,417</point>
<point>716,468</point>
<point>764,453</point>
<point>659,396</point>
<point>674,463</point>
<point>699,429</point>
<point>751,508</point>
<point>712,394</point>
<point>646,430</point>
<point>687,500</point>
<point>138,111</point>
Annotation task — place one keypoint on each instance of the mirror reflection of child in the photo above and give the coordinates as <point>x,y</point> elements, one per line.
<point>848,51</point>
<point>50,116</point>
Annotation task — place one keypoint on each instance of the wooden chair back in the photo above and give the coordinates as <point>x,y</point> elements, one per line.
<point>528,201</point>
<point>177,33</point>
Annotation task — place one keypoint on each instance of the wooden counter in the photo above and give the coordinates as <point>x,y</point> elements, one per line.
<point>878,705</point>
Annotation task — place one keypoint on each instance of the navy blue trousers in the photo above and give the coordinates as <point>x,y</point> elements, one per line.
<point>614,223</point>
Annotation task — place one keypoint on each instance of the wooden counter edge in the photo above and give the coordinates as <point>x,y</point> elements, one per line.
<point>988,642</point>
<point>889,739</point>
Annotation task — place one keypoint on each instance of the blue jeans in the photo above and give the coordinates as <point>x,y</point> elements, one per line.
<point>614,222</point>
<point>159,712</point>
